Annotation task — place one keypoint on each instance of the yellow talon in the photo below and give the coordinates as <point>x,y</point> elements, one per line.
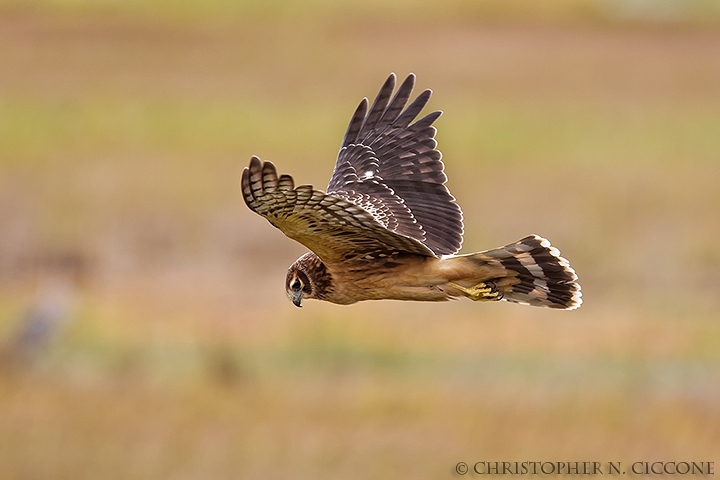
<point>481,292</point>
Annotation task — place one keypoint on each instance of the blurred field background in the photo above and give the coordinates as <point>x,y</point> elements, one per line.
<point>144,327</point>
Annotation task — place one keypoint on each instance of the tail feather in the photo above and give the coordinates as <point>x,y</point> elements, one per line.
<point>533,273</point>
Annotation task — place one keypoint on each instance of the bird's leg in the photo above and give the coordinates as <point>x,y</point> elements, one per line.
<point>483,291</point>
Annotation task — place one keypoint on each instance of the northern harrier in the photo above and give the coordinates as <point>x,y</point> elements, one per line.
<point>388,228</point>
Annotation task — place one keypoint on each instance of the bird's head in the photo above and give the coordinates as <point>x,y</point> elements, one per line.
<point>307,278</point>
<point>297,285</point>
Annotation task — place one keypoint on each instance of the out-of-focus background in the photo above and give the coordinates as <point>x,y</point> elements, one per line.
<point>144,329</point>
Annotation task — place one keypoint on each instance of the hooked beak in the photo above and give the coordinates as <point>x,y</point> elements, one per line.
<point>296,297</point>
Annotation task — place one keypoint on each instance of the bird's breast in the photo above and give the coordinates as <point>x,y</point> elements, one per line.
<point>398,277</point>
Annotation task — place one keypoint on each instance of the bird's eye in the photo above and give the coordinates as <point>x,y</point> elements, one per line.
<point>296,285</point>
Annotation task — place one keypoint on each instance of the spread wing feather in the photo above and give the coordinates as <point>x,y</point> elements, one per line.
<point>383,148</point>
<point>335,228</point>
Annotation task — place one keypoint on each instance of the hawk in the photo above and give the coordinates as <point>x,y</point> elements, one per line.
<point>387,227</point>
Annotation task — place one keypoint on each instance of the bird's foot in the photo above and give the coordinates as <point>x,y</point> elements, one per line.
<point>483,291</point>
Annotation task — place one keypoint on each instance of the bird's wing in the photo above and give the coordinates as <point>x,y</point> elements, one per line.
<point>334,228</point>
<point>387,161</point>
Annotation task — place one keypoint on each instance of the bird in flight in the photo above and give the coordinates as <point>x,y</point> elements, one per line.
<point>387,227</point>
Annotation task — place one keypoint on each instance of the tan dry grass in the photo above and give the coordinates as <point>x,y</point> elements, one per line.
<point>122,142</point>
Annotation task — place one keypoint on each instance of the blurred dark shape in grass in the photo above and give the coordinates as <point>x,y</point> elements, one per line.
<point>42,321</point>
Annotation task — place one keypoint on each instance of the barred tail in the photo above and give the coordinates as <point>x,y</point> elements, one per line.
<point>530,272</point>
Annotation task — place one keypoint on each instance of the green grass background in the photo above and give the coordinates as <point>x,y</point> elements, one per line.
<point>124,127</point>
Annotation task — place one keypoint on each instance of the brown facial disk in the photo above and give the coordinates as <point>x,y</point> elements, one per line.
<point>307,278</point>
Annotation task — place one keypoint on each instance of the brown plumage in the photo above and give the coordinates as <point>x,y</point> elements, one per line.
<point>388,228</point>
